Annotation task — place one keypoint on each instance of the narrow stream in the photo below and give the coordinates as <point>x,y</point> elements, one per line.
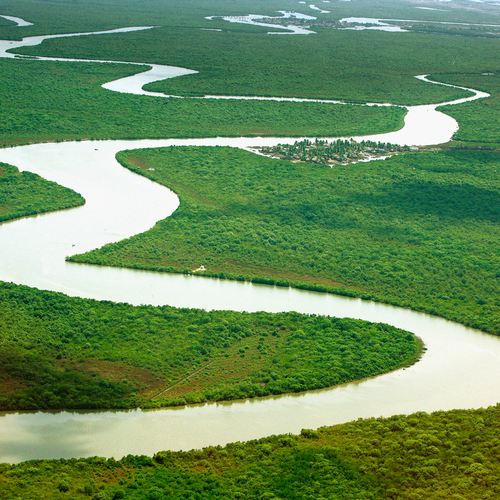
<point>452,373</point>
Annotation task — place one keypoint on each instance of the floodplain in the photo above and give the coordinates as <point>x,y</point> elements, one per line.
<point>416,230</point>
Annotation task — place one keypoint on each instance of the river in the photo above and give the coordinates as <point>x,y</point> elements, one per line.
<point>451,374</point>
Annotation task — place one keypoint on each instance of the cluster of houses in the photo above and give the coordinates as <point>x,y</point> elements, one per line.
<point>337,152</point>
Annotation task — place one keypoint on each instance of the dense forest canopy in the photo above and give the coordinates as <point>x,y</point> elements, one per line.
<point>46,101</point>
<point>63,352</point>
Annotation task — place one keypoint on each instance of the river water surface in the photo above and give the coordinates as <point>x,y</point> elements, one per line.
<point>460,369</point>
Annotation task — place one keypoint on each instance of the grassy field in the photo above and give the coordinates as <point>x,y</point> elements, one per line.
<point>415,230</point>
<point>444,455</point>
<point>25,193</point>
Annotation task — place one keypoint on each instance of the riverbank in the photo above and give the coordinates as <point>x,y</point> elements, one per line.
<point>62,352</point>
<point>442,455</point>
<point>354,230</point>
<point>76,107</point>
<point>23,194</point>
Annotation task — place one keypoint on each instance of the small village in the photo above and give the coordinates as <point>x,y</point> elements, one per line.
<point>340,152</point>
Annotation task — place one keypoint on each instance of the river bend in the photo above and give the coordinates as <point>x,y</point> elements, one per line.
<point>460,369</point>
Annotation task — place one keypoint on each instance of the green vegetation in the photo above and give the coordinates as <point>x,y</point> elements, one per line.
<point>444,455</point>
<point>6,22</point>
<point>63,352</point>
<point>25,193</point>
<point>76,16</point>
<point>44,101</point>
<point>70,16</point>
<point>416,230</point>
<point>355,66</point>
<point>457,29</point>
<point>479,125</point>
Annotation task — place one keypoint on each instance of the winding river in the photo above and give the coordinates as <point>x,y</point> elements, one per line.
<point>452,374</point>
